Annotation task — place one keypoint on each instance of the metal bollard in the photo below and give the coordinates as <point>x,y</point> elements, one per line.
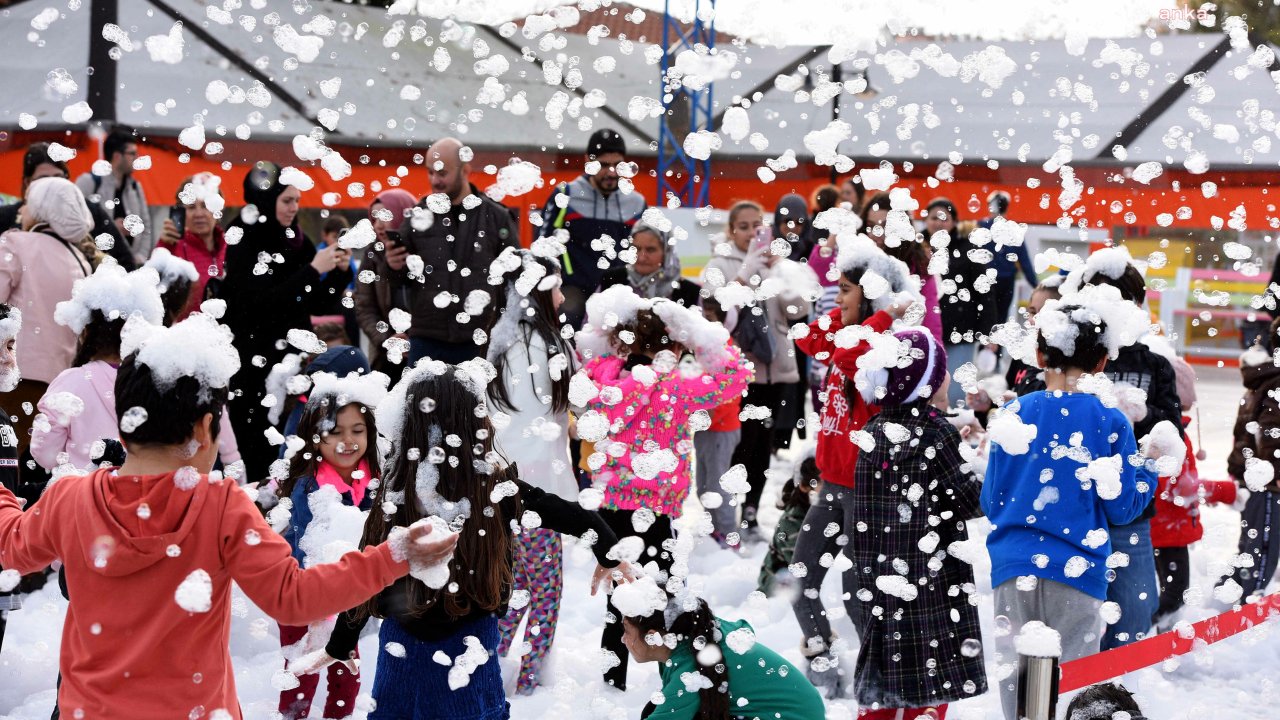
<point>1037,688</point>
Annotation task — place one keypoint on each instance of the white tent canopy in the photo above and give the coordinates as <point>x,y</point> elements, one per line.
<point>1029,101</point>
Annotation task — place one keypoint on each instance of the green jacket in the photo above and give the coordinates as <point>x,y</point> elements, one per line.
<point>762,685</point>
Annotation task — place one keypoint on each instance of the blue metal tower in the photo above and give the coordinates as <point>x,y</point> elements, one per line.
<point>685,111</point>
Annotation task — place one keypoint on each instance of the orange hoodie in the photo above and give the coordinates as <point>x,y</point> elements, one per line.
<point>127,543</point>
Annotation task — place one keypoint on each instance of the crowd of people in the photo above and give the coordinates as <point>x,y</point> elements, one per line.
<point>208,401</point>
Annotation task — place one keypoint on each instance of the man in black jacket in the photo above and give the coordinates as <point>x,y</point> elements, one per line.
<point>453,236</point>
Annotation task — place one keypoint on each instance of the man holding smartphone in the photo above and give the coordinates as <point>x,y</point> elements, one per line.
<point>450,239</point>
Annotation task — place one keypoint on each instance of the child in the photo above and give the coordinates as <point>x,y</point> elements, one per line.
<point>711,669</point>
<point>641,400</point>
<point>339,450</point>
<point>534,364</point>
<point>152,548</point>
<point>1023,376</point>
<point>1177,521</point>
<point>794,502</point>
<point>1104,701</point>
<point>178,277</point>
<point>714,448</point>
<point>1257,439</point>
<point>1049,509</point>
<point>1135,587</point>
<point>914,611</point>
<point>444,466</point>
<point>79,408</point>
<point>840,339</point>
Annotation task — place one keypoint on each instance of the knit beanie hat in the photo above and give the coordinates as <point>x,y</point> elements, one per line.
<point>918,372</point>
<point>605,141</point>
<point>58,203</point>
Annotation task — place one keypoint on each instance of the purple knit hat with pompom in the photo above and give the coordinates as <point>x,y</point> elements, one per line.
<point>918,375</point>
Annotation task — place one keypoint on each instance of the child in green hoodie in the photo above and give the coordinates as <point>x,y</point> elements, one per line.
<point>712,669</point>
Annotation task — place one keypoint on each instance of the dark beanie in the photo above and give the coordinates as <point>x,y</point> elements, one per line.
<point>262,187</point>
<point>341,360</point>
<point>945,204</point>
<point>605,141</point>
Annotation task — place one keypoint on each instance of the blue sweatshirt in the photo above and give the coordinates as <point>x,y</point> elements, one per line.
<point>1042,516</point>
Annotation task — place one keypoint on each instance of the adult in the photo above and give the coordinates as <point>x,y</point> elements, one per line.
<point>654,270</point>
<point>597,215</point>
<point>455,234</point>
<point>39,264</point>
<point>120,194</point>
<point>273,285</point>
<point>967,308</point>
<point>374,296</point>
<point>201,241</point>
<point>791,223</point>
<point>37,164</point>
<point>852,193</point>
<point>893,232</point>
<point>739,259</point>
<point>1007,263</point>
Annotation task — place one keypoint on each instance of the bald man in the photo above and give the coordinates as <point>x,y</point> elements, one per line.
<point>447,170</point>
<point>449,253</point>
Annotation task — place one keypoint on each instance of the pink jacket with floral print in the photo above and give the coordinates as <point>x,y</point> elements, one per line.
<point>651,424</point>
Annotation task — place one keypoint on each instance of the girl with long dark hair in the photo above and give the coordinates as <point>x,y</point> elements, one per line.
<point>534,363</point>
<point>443,465</point>
<point>711,669</point>
<point>339,450</point>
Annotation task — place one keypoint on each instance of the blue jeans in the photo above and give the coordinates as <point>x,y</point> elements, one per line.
<point>452,353</point>
<point>1136,588</point>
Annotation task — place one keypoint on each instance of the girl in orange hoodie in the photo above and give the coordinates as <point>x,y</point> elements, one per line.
<point>150,549</point>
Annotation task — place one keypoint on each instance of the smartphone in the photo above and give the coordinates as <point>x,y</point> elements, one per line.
<point>178,216</point>
<point>393,238</point>
<point>764,236</point>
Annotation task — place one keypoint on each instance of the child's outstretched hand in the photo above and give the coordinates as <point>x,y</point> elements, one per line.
<point>314,662</point>
<point>427,547</point>
<point>611,577</point>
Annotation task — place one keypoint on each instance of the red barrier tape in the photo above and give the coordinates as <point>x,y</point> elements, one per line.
<point>1145,653</point>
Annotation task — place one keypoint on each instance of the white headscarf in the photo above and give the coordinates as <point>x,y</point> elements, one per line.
<point>58,203</point>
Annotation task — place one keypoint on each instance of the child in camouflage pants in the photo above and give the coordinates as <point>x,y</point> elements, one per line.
<point>794,503</point>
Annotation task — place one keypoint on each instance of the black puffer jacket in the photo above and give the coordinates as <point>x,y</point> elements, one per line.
<point>968,313</point>
<point>1141,367</point>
